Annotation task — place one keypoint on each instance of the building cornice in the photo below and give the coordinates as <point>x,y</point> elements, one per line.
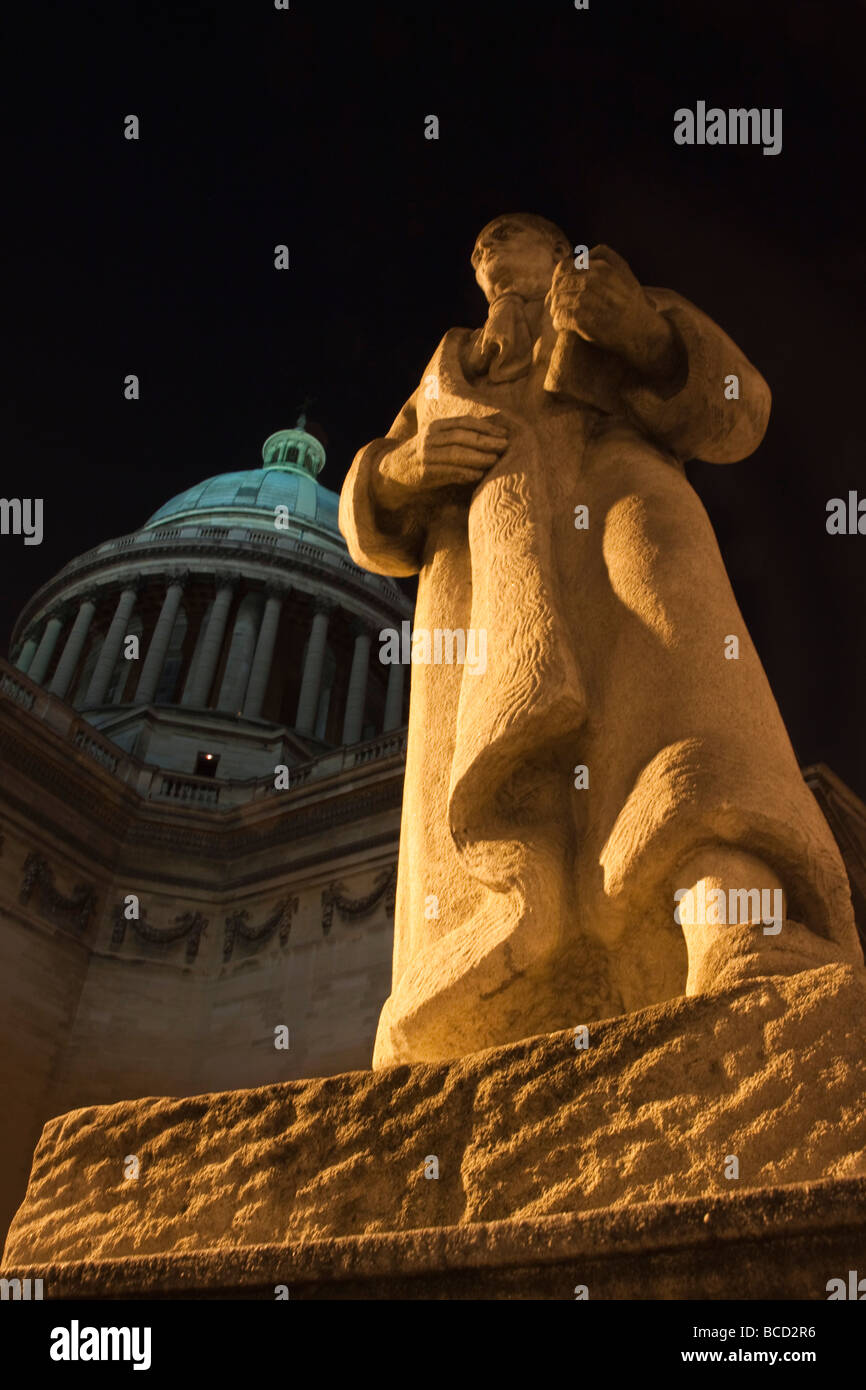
<point>118,562</point>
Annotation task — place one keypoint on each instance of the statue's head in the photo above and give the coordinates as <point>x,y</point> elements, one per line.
<point>518,251</point>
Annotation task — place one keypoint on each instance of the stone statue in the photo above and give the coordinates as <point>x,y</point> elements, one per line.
<point>598,816</point>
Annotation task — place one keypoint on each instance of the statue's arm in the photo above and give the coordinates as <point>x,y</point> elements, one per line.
<point>692,414</point>
<point>383,533</point>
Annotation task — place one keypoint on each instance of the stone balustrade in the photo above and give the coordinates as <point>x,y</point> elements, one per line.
<point>154,783</point>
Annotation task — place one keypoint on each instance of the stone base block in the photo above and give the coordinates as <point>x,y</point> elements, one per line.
<point>774,1243</point>
<point>766,1079</point>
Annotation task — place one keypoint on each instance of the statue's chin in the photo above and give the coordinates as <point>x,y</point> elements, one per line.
<point>528,289</point>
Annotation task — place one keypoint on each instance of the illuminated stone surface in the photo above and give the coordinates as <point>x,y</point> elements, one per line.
<point>522,899</point>
<point>772,1072</point>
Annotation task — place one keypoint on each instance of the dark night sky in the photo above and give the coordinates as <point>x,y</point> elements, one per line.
<point>306,127</point>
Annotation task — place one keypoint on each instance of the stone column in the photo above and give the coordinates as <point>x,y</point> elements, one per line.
<point>263,656</point>
<point>356,696</point>
<point>26,654</point>
<point>308,701</point>
<point>48,642</point>
<point>107,659</point>
<point>153,662</point>
<point>74,645</point>
<point>394,698</point>
<point>200,678</point>
<point>239,656</point>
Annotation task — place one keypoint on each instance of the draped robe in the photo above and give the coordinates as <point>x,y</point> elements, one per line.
<point>524,902</point>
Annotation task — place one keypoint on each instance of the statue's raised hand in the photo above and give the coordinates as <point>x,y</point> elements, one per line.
<point>444,453</point>
<point>606,304</point>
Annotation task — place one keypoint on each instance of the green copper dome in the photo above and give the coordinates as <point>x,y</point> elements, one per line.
<point>292,459</point>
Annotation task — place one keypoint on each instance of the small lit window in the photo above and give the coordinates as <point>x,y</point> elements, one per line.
<point>206,764</point>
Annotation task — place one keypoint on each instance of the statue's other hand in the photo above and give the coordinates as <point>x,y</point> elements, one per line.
<point>455,450</point>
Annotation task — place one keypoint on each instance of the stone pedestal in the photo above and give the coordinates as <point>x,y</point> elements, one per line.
<point>772,1243</point>
<point>557,1166</point>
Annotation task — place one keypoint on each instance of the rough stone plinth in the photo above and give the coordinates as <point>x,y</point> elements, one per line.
<point>772,1243</point>
<point>772,1072</point>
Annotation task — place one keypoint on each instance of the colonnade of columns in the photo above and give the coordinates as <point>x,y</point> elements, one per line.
<point>247,669</point>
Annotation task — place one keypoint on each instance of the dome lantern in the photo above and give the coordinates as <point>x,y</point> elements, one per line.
<point>295,450</point>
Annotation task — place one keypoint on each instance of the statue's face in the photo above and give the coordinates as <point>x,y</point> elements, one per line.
<point>509,255</point>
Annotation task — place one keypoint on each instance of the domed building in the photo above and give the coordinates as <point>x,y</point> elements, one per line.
<point>230,633</point>
<point>201,768</point>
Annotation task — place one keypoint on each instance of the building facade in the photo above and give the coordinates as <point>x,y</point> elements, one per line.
<point>202,764</point>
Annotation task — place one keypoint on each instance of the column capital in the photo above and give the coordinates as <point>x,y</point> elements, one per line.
<point>91,594</point>
<point>228,579</point>
<point>177,577</point>
<point>361,627</point>
<point>277,588</point>
<point>134,584</point>
<point>327,606</point>
<point>62,610</point>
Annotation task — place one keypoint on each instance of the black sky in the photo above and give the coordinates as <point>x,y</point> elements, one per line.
<point>307,127</point>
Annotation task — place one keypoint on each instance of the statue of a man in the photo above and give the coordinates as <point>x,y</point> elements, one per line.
<point>599,816</point>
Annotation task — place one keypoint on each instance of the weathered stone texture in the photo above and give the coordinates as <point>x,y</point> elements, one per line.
<point>783,1242</point>
<point>772,1071</point>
